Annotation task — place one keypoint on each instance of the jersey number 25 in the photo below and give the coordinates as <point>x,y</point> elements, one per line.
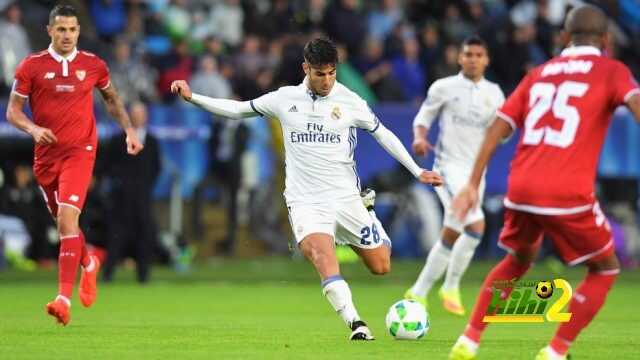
<point>544,97</point>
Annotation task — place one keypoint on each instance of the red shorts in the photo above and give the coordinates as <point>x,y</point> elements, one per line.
<point>65,181</point>
<point>577,237</point>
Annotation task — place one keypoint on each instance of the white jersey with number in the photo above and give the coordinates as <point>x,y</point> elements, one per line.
<point>466,109</point>
<point>319,140</point>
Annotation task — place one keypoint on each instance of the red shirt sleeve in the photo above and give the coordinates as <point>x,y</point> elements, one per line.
<point>515,108</point>
<point>624,85</point>
<point>23,79</point>
<point>103,75</point>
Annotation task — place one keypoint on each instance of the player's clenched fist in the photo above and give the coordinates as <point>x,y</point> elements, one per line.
<point>43,136</point>
<point>421,147</point>
<point>134,146</point>
<point>181,88</point>
<point>431,178</point>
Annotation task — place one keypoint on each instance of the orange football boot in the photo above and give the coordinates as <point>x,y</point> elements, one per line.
<point>88,283</point>
<point>59,309</point>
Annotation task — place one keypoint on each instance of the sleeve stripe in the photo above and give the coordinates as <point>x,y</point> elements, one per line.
<point>507,118</point>
<point>254,108</point>
<point>106,86</point>
<point>631,93</point>
<point>21,95</point>
<point>375,127</point>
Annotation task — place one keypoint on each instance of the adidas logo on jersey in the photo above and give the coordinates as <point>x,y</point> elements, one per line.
<point>293,109</point>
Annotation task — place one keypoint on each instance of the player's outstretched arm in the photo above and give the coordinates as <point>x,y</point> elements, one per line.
<point>116,109</point>
<point>467,198</point>
<point>390,142</point>
<point>17,118</point>
<point>231,109</point>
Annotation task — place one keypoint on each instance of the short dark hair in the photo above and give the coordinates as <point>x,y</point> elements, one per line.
<point>586,23</point>
<point>320,51</point>
<point>62,10</point>
<point>474,40</point>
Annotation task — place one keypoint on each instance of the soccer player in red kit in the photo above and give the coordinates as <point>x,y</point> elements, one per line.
<point>563,109</point>
<point>58,83</point>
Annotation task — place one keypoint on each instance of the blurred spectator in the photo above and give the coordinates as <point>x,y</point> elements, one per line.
<point>177,65</point>
<point>348,76</point>
<point>109,17</point>
<point>312,15</point>
<point>377,72</point>
<point>448,65</point>
<point>21,198</point>
<point>455,28</point>
<point>408,70</point>
<point>431,49</point>
<point>250,58</point>
<point>345,24</point>
<point>383,20</point>
<point>518,56</point>
<point>133,78</point>
<point>279,20</point>
<point>225,21</point>
<point>177,19</point>
<point>207,81</point>
<point>228,145</point>
<point>132,179</point>
<point>14,44</point>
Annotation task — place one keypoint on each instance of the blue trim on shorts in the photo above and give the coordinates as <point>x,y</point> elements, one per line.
<point>330,279</point>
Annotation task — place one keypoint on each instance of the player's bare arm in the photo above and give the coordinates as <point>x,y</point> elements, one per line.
<point>17,118</point>
<point>467,198</point>
<point>634,106</point>
<point>229,109</point>
<point>421,145</point>
<point>116,109</point>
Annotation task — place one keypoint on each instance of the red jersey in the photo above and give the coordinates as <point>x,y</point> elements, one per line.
<point>60,93</point>
<point>563,108</point>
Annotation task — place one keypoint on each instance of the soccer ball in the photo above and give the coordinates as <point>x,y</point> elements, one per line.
<point>544,289</point>
<point>407,320</point>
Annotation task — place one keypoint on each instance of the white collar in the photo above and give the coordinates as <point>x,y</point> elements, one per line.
<point>581,51</point>
<point>316,96</point>
<point>466,79</point>
<point>60,58</point>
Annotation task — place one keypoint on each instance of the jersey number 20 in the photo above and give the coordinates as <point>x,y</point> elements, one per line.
<point>544,97</point>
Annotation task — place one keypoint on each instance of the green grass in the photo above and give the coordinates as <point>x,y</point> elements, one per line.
<point>274,309</point>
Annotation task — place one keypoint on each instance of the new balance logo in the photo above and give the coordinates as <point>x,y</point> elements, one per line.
<point>49,75</point>
<point>293,109</point>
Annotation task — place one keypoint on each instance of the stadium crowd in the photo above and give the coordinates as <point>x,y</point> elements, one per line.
<point>390,50</point>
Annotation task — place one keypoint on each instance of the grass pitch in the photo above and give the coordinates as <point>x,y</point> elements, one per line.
<point>274,309</point>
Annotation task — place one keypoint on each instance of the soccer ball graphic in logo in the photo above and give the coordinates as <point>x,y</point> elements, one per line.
<point>407,320</point>
<point>544,289</point>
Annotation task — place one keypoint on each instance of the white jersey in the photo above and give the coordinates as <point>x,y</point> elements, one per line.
<point>466,109</point>
<point>319,140</point>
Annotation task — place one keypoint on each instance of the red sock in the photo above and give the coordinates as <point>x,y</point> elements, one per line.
<point>507,269</point>
<point>68,262</point>
<point>85,260</point>
<point>587,300</point>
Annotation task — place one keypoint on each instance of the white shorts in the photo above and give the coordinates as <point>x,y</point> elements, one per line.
<point>348,222</point>
<point>454,180</point>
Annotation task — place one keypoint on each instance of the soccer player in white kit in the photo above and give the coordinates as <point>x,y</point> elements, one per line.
<point>319,119</point>
<point>465,104</point>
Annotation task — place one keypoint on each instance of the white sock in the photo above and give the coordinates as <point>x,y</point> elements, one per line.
<point>91,265</point>
<point>64,299</point>
<point>381,231</point>
<point>471,345</point>
<point>437,262</point>
<point>553,355</point>
<point>461,256</point>
<point>339,295</point>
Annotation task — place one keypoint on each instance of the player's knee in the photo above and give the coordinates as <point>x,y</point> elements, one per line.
<point>380,267</point>
<point>67,224</point>
<point>608,263</point>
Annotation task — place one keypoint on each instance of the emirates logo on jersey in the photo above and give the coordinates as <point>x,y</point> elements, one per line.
<point>81,74</point>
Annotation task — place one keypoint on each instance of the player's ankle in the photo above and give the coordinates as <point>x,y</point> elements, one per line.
<point>472,334</point>
<point>559,346</point>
